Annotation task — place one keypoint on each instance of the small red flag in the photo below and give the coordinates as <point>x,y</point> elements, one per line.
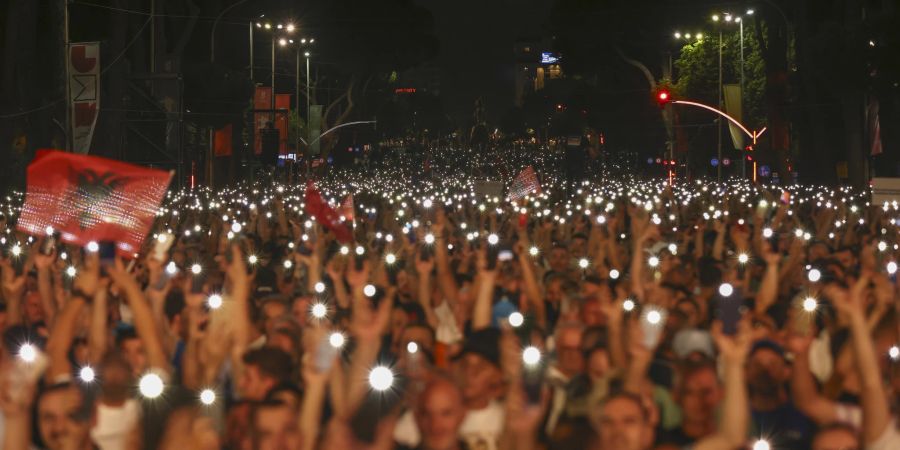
<point>347,209</point>
<point>326,215</point>
<point>525,183</point>
<point>86,198</point>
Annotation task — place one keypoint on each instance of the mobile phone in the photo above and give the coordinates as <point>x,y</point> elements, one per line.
<point>653,323</point>
<point>107,253</point>
<point>48,245</point>
<point>325,354</point>
<point>728,311</point>
<point>505,254</point>
<point>492,256</point>
<point>164,242</point>
<point>533,381</point>
<point>358,260</point>
<point>24,373</point>
<point>164,278</point>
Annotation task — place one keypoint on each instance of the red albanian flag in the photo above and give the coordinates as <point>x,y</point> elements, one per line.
<point>86,198</point>
<point>326,215</point>
<point>347,210</point>
<point>525,183</point>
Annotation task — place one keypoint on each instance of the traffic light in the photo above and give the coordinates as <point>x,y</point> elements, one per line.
<point>663,97</point>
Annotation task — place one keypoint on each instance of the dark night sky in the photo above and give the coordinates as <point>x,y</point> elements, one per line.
<point>476,57</point>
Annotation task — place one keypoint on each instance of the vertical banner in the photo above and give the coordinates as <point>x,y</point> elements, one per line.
<point>873,126</point>
<point>84,91</point>
<point>315,128</point>
<point>282,102</point>
<point>262,99</point>
<point>222,141</point>
<point>733,107</point>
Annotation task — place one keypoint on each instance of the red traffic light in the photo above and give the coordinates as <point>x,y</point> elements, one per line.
<point>663,97</point>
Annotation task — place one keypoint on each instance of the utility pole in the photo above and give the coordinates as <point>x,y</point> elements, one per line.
<point>68,131</point>
<point>719,148</point>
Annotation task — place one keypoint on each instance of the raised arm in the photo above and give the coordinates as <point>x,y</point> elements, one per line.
<point>732,430</point>
<point>768,289</point>
<point>876,412</point>
<point>804,392</point>
<point>43,264</point>
<point>481,316</point>
<point>143,316</point>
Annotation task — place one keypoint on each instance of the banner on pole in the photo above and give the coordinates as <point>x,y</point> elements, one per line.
<point>315,128</point>
<point>262,99</point>
<point>733,107</point>
<point>282,102</point>
<point>222,141</point>
<point>84,92</point>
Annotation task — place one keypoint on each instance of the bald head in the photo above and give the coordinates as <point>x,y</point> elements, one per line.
<point>439,413</point>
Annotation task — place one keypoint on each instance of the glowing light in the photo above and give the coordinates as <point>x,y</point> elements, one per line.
<point>390,258</point>
<point>654,317</point>
<point>533,251</point>
<point>743,258</point>
<point>319,310</point>
<point>810,304</point>
<point>614,274</point>
<point>369,290</point>
<point>583,263</point>
<point>761,444</point>
<point>336,340</point>
<point>381,378</point>
<point>87,375</point>
<point>236,228</point>
<point>151,386</point>
<point>252,259</point>
<point>288,264</point>
<point>196,269</point>
<point>516,319</point>
<point>92,247</point>
<point>412,348</point>
<point>71,271</point>
<point>628,305</point>
<point>725,290</point>
<point>894,353</point>
<point>207,397</point>
<point>531,355</point>
<point>28,353</point>
<point>653,261</point>
<point>891,267</point>
<point>171,268</point>
<point>814,275</point>
<point>319,287</point>
<point>767,232</point>
<point>493,239</point>
<point>214,301</point>
<point>429,239</point>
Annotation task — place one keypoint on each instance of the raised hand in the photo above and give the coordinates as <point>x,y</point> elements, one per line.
<point>87,279</point>
<point>734,349</point>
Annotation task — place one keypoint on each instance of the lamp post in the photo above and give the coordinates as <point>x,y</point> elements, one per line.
<point>688,37</point>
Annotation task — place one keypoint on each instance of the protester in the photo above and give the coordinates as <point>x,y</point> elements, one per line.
<point>365,311</point>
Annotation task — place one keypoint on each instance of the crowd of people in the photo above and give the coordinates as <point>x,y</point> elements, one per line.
<point>613,314</point>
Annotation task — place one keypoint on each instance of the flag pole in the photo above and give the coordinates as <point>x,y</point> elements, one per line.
<point>68,131</point>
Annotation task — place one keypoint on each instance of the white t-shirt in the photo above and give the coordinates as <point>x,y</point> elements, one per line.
<point>114,424</point>
<point>447,329</point>
<point>480,430</point>
<point>889,439</point>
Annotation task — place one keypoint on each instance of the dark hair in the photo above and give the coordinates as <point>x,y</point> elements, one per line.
<point>174,304</point>
<point>634,398</point>
<point>690,367</point>
<point>125,334</point>
<point>272,362</point>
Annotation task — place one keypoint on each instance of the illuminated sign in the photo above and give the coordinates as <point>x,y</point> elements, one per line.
<point>405,91</point>
<point>549,58</point>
